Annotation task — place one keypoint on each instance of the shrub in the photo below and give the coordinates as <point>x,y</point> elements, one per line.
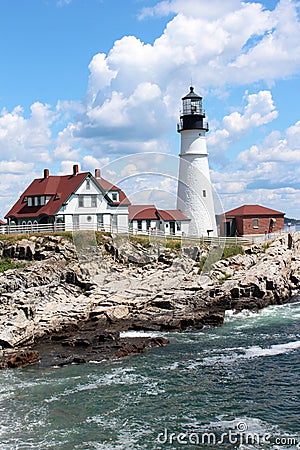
<point>7,264</point>
<point>232,250</point>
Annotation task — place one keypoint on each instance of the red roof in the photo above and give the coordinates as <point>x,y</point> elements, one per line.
<point>107,186</point>
<point>171,214</point>
<point>253,210</point>
<point>63,185</point>
<point>149,212</point>
<point>60,188</point>
<point>142,212</point>
<point>2,222</point>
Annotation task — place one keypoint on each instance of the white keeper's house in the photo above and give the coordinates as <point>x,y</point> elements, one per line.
<point>77,201</point>
<point>81,201</point>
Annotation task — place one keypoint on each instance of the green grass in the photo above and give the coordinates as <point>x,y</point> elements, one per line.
<point>68,235</point>
<point>173,244</point>
<point>232,250</point>
<point>144,241</point>
<point>7,264</point>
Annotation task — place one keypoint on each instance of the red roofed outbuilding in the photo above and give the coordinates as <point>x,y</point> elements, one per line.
<point>147,218</point>
<point>249,220</point>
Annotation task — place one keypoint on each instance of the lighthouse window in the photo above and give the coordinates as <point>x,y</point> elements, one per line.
<point>204,193</point>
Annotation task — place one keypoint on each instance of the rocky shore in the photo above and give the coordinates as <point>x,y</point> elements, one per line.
<point>70,301</point>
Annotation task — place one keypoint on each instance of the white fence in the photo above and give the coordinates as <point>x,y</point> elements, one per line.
<point>113,229</point>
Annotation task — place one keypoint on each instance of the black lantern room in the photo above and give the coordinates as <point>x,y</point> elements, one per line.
<point>192,117</point>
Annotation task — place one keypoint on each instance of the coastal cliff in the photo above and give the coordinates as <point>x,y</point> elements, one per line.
<point>69,301</point>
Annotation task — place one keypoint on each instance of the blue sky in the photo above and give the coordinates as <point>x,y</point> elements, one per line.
<point>99,83</point>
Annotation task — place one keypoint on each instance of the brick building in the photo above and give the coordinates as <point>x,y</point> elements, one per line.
<point>251,220</point>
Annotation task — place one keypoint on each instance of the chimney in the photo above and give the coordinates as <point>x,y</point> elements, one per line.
<point>46,173</point>
<point>75,170</point>
<point>97,173</point>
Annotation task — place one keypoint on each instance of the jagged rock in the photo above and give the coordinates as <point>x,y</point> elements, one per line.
<point>19,358</point>
<point>56,290</point>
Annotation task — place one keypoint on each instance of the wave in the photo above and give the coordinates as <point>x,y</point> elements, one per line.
<point>230,355</point>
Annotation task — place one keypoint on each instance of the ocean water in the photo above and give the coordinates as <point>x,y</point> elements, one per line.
<point>233,387</point>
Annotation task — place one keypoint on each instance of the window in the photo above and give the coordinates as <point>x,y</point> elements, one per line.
<point>100,219</point>
<point>255,223</point>
<point>80,201</point>
<point>88,184</point>
<point>139,225</point>
<point>148,224</point>
<point>114,196</point>
<point>94,201</point>
<point>36,201</point>
<point>204,193</point>
<point>42,200</point>
<point>178,225</point>
<point>29,201</point>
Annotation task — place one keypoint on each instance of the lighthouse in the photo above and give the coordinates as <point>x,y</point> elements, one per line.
<point>195,193</point>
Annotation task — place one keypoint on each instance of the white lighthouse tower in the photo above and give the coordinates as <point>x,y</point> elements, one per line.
<point>195,193</point>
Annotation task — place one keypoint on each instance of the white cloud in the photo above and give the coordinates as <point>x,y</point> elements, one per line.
<point>90,163</point>
<point>26,139</point>
<point>133,90</point>
<point>15,167</point>
<point>190,8</point>
<point>268,174</point>
<point>260,110</point>
<point>66,167</point>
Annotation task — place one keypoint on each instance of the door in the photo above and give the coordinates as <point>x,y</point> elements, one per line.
<point>172,227</point>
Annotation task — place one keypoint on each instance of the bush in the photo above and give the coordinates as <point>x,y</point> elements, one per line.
<point>232,250</point>
<point>7,264</point>
<point>142,240</point>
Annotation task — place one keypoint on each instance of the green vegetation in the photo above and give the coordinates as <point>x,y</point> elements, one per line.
<point>201,263</point>
<point>68,235</point>
<point>225,276</point>
<point>173,244</point>
<point>141,240</point>
<point>266,246</point>
<point>232,250</point>
<point>7,264</point>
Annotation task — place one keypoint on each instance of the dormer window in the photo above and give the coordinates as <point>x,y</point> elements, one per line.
<point>115,196</point>
<point>88,184</point>
<point>41,200</point>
